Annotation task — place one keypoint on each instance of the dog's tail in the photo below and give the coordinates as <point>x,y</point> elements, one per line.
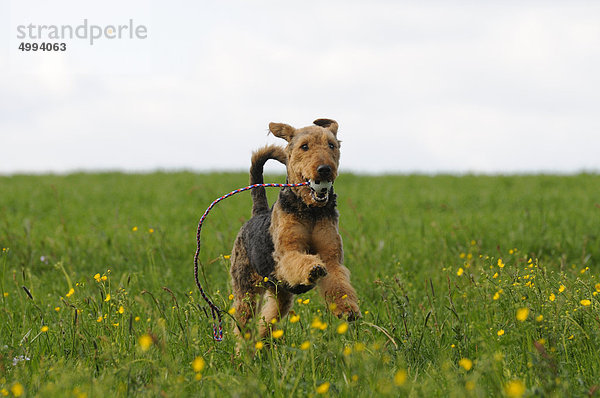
<point>259,158</point>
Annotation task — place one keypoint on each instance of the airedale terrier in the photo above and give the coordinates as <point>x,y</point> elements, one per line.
<point>295,244</point>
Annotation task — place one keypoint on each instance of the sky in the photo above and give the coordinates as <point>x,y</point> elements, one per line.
<point>416,87</point>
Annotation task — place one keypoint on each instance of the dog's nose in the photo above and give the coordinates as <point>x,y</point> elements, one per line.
<point>324,171</point>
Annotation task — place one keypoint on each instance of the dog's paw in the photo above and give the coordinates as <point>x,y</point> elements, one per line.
<point>316,273</point>
<point>346,309</point>
<point>353,316</point>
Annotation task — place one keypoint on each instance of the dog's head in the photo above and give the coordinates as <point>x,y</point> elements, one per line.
<point>313,155</point>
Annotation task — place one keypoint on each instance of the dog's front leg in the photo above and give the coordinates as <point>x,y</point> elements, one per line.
<point>335,287</point>
<point>291,240</point>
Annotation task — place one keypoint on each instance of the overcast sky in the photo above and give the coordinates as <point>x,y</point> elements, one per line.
<point>484,87</point>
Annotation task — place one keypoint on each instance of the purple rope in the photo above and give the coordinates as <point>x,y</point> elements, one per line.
<point>216,311</point>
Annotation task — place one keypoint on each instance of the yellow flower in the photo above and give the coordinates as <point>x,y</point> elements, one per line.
<point>473,243</point>
<point>44,329</point>
<point>585,302</point>
<point>71,291</point>
<point>495,275</point>
<point>561,288</point>
<point>107,297</point>
<point>466,363</point>
<point>151,230</point>
<point>522,314</point>
<point>231,311</point>
<point>198,364</point>
<point>134,229</point>
<point>552,297</point>
<point>323,388</point>
<point>56,309</point>
<point>497,295</point>
<point>97,277</point>
<point>342,328</point>
<point>227,257</point>
<point>17,389</point>
<point>137,319</point>
<point>305,346</point>
<point>121,310</point>
<point>306,301</point>
<point>294,318</point>
<point>500,332</point>
<point>539,318</point>
<point>400,377</point>
<point>354,378</point>
<point>104,277</point>
<point>265,279</point>
<point>4,391</point>
<point>515,388</point>
<point>597,286</point>
<point>198,376</point>
<point>145,341</point>
<point>460,271</point>
<point>277,334</point>
<point>500,263</point>
<point>462,255</point>
<point>100,319</point>
<point>259,345</point>
<point>511,251</point>
<point>570,337</point>
<point>231,297</point>
<point>318,324</point>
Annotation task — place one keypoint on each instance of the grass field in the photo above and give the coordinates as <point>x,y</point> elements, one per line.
<point>469,286</point>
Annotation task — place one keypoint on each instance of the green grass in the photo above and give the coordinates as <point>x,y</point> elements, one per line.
<point>426,330</point>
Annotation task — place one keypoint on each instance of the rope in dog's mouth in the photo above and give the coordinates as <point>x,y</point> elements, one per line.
<point>216,311</point>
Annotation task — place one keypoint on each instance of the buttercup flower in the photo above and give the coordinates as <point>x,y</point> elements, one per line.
<point>198,364</point>
<point>145,341</point>
<point>466,363</point>
<point>323,388</point>
<point>400,377</point>
<point>515,388</point>
<point>277,334</point>
<point>522,314</point>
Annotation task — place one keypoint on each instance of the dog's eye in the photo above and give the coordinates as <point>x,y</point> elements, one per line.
<point>304,147</point>
<point>331,146</point>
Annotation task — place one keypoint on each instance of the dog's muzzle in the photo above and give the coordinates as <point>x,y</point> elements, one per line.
<point>320,190</point>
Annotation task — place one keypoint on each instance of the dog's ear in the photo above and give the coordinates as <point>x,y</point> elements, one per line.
<point>329,124</point>
<point>282,130</point>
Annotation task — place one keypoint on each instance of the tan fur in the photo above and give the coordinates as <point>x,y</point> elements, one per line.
<point>300,244</point>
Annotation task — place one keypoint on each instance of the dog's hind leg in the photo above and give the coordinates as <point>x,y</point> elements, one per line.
<point>247,288</point>
<point>276,306</point>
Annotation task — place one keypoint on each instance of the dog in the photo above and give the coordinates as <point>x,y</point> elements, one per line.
<point>295,245</point>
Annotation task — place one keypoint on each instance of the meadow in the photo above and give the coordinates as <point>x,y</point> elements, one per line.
<point>468,285</point>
